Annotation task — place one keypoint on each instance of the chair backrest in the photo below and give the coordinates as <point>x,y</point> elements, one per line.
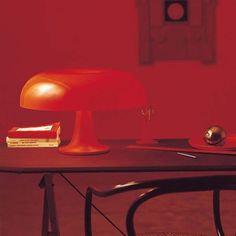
<point>156,188</point>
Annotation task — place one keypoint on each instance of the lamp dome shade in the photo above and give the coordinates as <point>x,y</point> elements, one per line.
<point>82,89</point>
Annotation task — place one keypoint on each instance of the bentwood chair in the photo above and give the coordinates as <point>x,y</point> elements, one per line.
<point>154,188</point>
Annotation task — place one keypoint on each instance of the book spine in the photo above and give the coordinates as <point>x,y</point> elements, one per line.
<point>31,140</point>
<point>33,134</point>
<point>53,133</point>
<point>9,145</point>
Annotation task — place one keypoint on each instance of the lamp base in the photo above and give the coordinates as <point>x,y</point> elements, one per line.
<point>83,141</point>
<point>83,150</point>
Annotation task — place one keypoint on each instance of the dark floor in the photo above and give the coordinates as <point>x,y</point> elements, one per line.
<point>21,206</point>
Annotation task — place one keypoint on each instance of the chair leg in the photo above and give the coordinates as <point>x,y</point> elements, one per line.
<point>216,209</point>
<point>50,225</point>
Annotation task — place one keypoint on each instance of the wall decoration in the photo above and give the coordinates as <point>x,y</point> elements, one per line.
<point>177,29</point>
<point>176,10</point>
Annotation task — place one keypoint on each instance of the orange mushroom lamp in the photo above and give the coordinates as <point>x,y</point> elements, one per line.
<point>82,91</point>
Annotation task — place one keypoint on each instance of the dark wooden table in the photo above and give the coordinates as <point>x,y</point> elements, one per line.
<point>119,159</point>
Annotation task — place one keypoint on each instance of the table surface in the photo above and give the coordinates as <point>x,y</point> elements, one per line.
<point>119,159</point>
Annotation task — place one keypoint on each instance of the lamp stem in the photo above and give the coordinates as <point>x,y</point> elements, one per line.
<point>84,140</point>
<point>83,132</point>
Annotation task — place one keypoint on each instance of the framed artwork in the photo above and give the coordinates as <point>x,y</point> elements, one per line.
<point>177,29</point>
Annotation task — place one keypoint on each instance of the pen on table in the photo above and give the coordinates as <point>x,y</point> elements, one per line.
<point>186,155</point>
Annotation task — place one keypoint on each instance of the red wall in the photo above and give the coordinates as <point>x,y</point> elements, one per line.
<point>41,35</point>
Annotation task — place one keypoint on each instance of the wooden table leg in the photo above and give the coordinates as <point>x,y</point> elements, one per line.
<point>50,225</point>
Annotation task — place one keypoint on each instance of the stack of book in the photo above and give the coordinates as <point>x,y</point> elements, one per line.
<point>37,136</point>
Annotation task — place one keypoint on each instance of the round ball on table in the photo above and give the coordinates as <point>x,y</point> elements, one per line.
<point>214,135</point>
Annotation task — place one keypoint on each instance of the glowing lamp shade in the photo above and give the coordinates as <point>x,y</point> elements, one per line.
<point>82,91</point>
